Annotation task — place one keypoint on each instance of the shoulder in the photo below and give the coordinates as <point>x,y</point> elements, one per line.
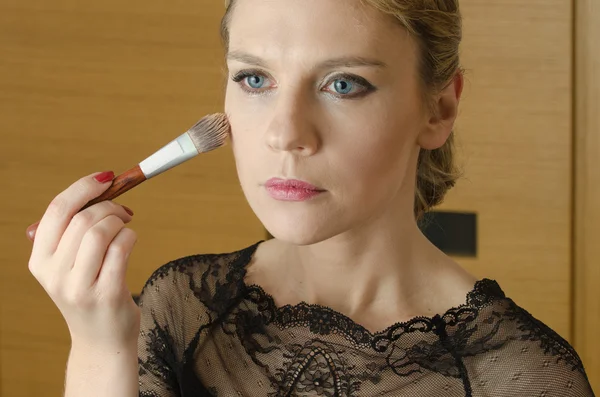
<point>527,328</point>
<point>209,267</point>
<point>187,294</point>
<point>197,282</point>
<point>511,346</point>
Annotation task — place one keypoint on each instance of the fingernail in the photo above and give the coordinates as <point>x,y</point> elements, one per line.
<point>128,210</point>
<point>31,231</point>
<point>105,177</point>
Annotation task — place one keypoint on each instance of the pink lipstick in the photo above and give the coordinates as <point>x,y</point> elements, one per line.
<point>291,189</point>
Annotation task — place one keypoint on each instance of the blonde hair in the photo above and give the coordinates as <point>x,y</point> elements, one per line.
<point>436,25</point>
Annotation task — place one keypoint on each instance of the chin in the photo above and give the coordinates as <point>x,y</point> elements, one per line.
<point>296,237</point>
<point>297,229</point>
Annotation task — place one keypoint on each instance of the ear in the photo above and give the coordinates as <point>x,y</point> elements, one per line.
<point>440,124</point>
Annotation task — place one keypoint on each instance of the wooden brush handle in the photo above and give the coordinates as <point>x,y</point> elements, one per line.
<point>122,183</point>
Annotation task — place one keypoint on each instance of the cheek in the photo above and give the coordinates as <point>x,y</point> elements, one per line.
<point>382,175</point>
<point>380,135</point>
<point>243,114</point>
<point>381,152</point>
<point>244,142</point>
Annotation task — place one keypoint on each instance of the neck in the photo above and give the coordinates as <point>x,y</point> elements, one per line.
<point>358,269</point>
<point>379,274</point>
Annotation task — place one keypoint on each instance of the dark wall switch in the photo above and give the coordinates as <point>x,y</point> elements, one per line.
<point>455,233</point>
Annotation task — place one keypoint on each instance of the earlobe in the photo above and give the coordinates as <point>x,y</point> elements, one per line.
<point>440,124</point>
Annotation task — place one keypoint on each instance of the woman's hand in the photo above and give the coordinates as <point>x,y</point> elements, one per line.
<point>80,258</point>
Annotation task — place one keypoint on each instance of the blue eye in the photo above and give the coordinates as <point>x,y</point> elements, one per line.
<point>343,86</point>
<point>255,81</point>
<point>349,86</point>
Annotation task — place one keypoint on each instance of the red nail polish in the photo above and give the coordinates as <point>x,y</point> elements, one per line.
<point>128,210</point>
<point>105,177</point>
<point>31,229</point>
<point>31,234</point>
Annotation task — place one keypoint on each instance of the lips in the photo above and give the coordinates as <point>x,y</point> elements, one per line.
<point>291,190</point>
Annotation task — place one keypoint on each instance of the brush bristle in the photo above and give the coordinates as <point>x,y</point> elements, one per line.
<point>210,132</point>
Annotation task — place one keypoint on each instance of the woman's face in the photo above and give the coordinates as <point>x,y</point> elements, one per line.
<point>324,92</point>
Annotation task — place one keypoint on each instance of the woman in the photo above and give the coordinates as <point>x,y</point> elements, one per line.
<point>342,114</point>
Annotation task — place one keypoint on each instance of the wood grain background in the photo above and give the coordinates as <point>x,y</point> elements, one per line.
<point>93,86</point>
<point>515,135</point>
<point>587,184</point>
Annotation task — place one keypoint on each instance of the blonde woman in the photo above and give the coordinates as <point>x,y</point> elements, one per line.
<point>342,114</point>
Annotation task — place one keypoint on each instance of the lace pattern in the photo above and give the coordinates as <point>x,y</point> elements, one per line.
<point>206,333</point>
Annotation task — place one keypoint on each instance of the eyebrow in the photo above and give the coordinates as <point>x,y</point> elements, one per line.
<point>348,62</point>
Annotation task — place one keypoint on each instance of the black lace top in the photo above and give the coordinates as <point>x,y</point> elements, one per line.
<point>206,333</point>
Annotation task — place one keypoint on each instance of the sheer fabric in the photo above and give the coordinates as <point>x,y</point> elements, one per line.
<point>206,333</point>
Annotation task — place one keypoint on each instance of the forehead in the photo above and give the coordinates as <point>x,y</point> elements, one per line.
<point>307,29</point>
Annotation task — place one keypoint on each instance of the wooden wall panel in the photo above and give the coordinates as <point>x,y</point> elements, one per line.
<point>587,187</point>
<point>89,86</point>
<point>515,133</point>
<point>93,86</point>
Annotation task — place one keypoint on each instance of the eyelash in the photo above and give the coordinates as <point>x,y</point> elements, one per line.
<point>367,87</point>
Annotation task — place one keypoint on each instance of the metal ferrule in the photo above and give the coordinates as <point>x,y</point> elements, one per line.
<point>172,154</point>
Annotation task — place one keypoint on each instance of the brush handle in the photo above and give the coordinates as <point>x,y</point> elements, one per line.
<point>121,184</point>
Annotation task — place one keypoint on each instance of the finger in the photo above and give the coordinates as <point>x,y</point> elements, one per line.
<point>112,274</point>
<point>81,223</point>
<point>93,249</point>
<point>63,207</point>
<point>32,229</point>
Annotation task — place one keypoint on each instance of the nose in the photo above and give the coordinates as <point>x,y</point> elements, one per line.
<point>292,128</point>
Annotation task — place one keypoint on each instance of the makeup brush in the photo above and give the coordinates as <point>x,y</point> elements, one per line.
<point>207,134</point>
